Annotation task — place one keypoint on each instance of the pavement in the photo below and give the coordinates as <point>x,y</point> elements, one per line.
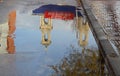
<point>108,15</point>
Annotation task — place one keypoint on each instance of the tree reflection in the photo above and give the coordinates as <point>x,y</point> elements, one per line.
<point>77,63</point>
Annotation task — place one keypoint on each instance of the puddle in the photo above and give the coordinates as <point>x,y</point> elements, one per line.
<point>31,47</point>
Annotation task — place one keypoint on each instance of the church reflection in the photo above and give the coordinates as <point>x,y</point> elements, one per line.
<point>46,28</point>
<point>82,32</point>
<point>7,34</point>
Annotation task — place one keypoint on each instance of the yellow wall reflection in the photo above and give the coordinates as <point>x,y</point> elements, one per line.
<point>6,34</point>
<point>46,27</point>
<point>3,37</point>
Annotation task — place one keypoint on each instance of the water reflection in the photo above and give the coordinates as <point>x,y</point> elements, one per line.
<point>80,63</point>
<point>46,28</point>
<point>7,36</point>
<point>56,35</point>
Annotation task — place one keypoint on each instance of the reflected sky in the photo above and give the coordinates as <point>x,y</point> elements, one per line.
<point>31,53</point>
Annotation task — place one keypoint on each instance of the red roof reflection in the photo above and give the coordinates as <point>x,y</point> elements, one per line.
<point>59,15</point>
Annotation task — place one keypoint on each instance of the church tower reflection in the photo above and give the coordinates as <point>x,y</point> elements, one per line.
<point>46,28</point>
<point>82,32</point>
